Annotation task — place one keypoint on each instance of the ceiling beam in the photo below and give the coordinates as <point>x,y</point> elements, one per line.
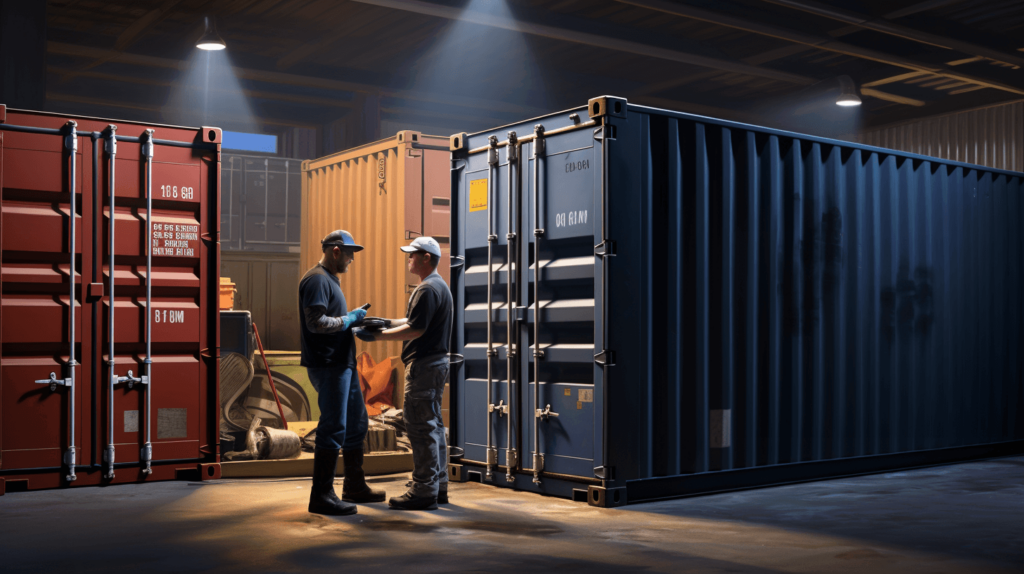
<point>886,27</point>
<point>891,97</point>
<point>260,94</point>
<point>133,106</point>
<point>299,80</point>
<point>128,36</point>
<point>819,42</point>
<point>586,38</point>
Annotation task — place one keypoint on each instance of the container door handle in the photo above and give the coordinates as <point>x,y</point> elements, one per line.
<point>544,414</point>
<point>54,382</point>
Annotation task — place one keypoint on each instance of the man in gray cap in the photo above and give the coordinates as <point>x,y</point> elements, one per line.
<point>425,331</point>
<point>329,355</point>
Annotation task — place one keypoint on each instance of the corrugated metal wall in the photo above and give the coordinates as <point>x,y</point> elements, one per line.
<point>344,191</point>
<point>992,137</point>
<point>822,301</point>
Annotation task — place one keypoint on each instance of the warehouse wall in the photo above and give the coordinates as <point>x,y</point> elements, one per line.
<point>992,136</point>
<point>23,54</point>
<point>267,285</point>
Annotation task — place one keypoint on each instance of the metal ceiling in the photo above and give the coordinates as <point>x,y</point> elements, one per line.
<point>478,63</point>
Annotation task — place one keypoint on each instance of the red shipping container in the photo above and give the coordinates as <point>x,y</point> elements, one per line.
<point>68,414</point>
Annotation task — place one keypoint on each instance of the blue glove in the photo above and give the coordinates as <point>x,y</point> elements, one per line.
<point>364,335</point>
<point>354,317</point>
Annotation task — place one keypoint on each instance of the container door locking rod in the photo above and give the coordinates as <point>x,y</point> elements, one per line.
<point>146,455</point>
<point>71,143</point>
<point>538,232</point>
<point>108,455</point>
<point>130,378</point>
<point>512,153</point>
<point>492,161</point>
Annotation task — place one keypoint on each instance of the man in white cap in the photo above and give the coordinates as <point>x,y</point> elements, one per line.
<point>425,330</point>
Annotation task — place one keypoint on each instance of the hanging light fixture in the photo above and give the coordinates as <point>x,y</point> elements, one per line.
<point>847,93</point>
<point>211,40</point>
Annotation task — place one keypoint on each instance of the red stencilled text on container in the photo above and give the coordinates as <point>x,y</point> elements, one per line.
<point>175,240</point>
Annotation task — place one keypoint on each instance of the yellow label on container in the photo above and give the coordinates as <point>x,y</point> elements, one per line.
<point>478,195</point>
<point>568,392</point>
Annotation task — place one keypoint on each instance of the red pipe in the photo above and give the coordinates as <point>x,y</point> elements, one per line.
<point>269,376</point>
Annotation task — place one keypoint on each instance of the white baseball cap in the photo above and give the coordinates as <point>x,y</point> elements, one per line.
<point>428,244</point>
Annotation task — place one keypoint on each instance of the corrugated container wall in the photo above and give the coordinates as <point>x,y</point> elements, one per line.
<point>385,194</point>
<point>697,305</point>
<point>133,399</point>
<point>261,203</point>
<point>992,137</point>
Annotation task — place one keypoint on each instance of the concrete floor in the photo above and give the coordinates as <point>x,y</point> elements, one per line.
<point>962,518</point>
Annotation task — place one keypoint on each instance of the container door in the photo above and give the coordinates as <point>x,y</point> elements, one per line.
<point>231,218</point>
<point>256,198</point>
<point>560,423</point>
<point>561,302</point>
<point>171,419</point>
<point>35,418</point>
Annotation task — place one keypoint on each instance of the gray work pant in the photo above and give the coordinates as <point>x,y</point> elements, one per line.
<point>424,388</point>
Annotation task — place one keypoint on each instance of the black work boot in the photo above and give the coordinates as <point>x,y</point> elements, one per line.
<point>410,502</point>
<point>355,488</point>
<point>442,492</point>
<point>322,499</point>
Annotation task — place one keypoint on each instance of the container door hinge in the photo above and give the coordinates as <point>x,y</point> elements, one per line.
<point>605,358</point>
<point>604,472</point>
<point>605,132</point>
<point>605,249</point>
<point>458,261</point>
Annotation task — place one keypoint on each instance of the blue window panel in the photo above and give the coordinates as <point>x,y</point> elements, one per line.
<point>250,142</point>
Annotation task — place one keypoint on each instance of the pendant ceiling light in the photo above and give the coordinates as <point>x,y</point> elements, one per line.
<point>847,93</point>
<point>211,40</point>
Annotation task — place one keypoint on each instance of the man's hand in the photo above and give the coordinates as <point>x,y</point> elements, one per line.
<point>354,317</point>
<point>364,335</point>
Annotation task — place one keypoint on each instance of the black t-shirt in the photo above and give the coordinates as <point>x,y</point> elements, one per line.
<point>430,308</point>
<point>320,287</point>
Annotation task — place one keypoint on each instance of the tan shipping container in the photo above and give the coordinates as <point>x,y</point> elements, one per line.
<point>385,194</point>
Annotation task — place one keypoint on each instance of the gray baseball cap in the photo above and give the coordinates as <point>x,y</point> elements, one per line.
<point>428,244</point>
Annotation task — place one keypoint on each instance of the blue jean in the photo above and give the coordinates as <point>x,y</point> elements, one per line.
<point>341,405</point>
<point>424,388</point>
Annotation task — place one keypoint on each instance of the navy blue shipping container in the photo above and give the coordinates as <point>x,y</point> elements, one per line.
<point>724,306</point>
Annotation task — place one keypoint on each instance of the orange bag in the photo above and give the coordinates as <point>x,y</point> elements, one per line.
<point>375,381</point>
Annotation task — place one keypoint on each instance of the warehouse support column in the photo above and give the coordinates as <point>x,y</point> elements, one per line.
<point>23,53</point>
